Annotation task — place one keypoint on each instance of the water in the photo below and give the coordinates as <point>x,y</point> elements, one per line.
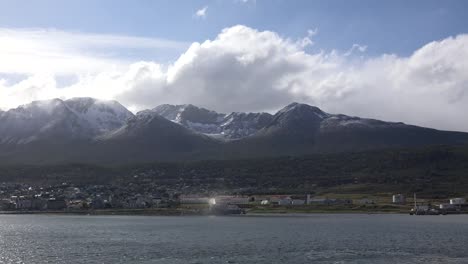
<point>320,238</point>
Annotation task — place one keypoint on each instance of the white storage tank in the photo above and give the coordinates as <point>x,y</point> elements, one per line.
<point>457,201</point>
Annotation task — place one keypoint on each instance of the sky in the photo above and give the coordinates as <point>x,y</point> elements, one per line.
<point>391,60</point>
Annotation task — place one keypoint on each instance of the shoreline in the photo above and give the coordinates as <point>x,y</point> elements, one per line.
<point>178,212</point>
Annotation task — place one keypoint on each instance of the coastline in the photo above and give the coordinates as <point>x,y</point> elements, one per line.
<point>185,212</point>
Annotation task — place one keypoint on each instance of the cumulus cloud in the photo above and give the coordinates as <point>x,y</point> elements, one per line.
<point>243,69</point>
<point>201,13</point>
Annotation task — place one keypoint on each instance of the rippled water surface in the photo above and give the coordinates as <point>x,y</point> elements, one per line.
<point>244,239</point>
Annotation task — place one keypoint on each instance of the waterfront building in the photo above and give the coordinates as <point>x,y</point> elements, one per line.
<point>457,201</point>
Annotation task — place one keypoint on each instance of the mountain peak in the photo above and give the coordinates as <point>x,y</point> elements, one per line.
<point>303,109</point>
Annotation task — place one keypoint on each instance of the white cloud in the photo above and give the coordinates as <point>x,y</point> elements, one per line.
<point>243,69</point>
<point>307,40</point>
<point>29,51</point>
<point>201,13</point>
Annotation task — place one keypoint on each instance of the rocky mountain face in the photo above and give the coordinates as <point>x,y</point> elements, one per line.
<point>94,131</point>
<point>222,126</point>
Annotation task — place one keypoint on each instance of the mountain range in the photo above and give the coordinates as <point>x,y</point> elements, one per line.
<point>96,131</point>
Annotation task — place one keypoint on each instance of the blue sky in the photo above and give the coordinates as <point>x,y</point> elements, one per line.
<point>390,60</point>
<point>384,26</point>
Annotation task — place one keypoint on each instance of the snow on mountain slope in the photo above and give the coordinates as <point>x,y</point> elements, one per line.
<point>223,126</point>
<point>55,119</point>
<point>103,116</point>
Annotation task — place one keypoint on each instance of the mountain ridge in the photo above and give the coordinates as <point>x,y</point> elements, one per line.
<point>95,131</point>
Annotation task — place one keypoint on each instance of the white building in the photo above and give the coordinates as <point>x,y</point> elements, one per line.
<point>457,201</point>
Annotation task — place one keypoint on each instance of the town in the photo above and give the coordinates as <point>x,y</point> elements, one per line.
<point>148,198</point>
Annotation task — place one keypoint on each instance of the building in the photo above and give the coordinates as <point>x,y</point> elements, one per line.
<point>298,202</point>
<point>458,201</point>
<point>285,201</point>
<point>398,199</point>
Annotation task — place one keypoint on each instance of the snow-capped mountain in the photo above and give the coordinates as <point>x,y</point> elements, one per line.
<point>56,119</point>
<point>103,116</point>
<point>223,126</point>
<point>304,129</point>
<point>90,130</point>
<point>149,136</point>
<point>298,118</point>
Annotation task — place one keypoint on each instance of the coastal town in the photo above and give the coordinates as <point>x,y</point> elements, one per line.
<point>147,198</point>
